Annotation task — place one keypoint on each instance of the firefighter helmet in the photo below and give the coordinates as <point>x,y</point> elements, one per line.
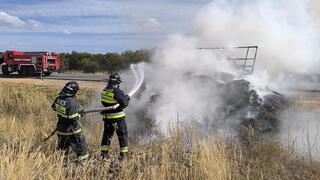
<point>71,88</point>
<point>114,78</point>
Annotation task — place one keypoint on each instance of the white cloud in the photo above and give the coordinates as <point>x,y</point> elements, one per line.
<point>33,24</point>
<point>66,32</point>
<point>96,16</point>
<point>153,21</point>
<point>7,20</point>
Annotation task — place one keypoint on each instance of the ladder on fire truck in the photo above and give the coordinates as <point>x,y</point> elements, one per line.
<point>242,57</point>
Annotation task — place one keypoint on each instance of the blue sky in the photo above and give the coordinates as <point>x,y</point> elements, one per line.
<point>93,25</point>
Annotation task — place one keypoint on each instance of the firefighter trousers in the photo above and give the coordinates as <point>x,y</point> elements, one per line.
<point>110,126</point>
<point>77,142</point>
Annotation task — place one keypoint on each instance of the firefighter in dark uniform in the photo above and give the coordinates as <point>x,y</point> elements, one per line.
<point>114,120</point>
<point>68,129</point>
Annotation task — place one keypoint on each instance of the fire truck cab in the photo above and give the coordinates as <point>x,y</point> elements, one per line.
<point>29,63</point>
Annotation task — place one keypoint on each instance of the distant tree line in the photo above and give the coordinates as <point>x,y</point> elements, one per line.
<point>112,61</point>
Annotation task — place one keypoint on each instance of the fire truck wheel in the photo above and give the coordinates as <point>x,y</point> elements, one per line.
<point>26,71</point>
<point>47,73</point>
<point>30,71</point>
<point>5,70</point>
<point>23,71</point>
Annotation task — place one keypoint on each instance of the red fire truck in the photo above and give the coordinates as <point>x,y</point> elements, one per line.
<point>29,63</point>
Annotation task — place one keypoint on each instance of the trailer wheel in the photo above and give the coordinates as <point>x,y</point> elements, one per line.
<point>5,70</point>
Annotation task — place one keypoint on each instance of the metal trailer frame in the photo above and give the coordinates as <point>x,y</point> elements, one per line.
<point>246,63</point>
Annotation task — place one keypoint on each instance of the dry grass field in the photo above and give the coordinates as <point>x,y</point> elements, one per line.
<point>51,82</point>
<point>26,118</point>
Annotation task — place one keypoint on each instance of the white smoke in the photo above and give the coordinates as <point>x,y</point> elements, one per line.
<point>174,78</point>
<point>314,7</point>
<point>286,32</point>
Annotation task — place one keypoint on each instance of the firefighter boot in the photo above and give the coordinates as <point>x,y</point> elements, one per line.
<point>104,155</point>
<point>123,156</point>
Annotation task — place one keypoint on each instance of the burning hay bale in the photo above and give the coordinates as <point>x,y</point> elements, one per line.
<point>240,107</point>
<point>243,104</point>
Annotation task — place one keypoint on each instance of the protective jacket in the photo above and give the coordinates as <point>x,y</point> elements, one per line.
<point>110,96</point>
<point>68,116</point>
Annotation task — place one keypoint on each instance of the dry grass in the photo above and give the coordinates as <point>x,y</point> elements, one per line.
<point>52,82</point>
<point>26,116</point>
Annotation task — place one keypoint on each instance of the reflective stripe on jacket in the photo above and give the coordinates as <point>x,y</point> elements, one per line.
<point>108,96</point>
<point>72,116</point>
<point>114,115</point>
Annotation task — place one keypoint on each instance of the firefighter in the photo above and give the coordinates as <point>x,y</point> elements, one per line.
<point>68,129</point>
<point>114,120</point>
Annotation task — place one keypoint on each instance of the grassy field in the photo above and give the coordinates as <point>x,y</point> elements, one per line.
<point>51,82</point>
<point>26,118</point>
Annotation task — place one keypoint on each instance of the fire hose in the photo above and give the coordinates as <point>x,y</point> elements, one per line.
<point>83,112</point>
<point>99,109</point>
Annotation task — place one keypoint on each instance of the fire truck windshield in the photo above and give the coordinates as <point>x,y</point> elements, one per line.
<point>51,61</point>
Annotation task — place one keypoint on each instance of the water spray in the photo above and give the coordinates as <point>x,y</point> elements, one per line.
<point>138,72</point>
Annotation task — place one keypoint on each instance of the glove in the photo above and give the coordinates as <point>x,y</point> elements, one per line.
<point>81,112</point>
